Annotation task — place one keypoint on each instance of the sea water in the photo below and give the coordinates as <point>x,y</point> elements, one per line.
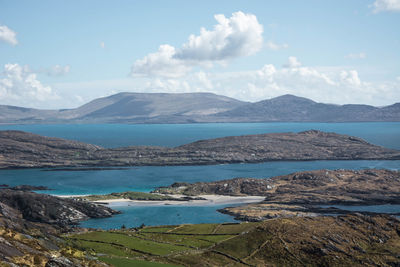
<point>148,178</point>
<point>134,216</point>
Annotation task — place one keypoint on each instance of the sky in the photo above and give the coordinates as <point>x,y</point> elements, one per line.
<point>62,54</point>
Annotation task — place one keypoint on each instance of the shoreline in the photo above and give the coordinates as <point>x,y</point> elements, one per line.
<point>209,200</point>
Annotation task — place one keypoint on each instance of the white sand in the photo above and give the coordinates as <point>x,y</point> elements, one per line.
<point>209,200</point>
<point>69,196</point>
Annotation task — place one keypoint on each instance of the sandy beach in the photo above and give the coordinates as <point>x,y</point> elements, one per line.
<point>209,200</point>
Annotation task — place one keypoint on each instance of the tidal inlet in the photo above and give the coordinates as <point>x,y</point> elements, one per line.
<point>213,133</point>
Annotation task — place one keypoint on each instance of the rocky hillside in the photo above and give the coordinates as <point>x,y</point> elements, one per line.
<point>301,193</point>
<point>26,150</point>
<point>352,240</point>
<point>51,210</point>
<point>31,224</point>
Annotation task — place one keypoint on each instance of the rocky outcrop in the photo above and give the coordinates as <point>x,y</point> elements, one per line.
<point>30,228</point>
<point>51,210</point>
<point>308,187</point>
<point>26,150</point>
<point>25,187</point>
<point>301,193</point>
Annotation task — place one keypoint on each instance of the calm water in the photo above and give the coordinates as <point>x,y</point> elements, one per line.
<point>147,178</point>
<point>161,215</point>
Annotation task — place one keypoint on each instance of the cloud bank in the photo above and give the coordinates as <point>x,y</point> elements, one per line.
<point>18,85</point>
<point>340,86</point>
<point>237,36</point>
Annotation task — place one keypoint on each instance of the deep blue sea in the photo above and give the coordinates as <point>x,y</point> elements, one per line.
<point>147,178</point>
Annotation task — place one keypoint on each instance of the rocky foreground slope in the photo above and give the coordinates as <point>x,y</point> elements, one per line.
<point>26,150</point>
<point>352,240</point>
<point>31,224</point>
<point>301,193</point>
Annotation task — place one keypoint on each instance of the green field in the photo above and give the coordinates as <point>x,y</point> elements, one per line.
<point>155,246</point>
<point>351,240</point>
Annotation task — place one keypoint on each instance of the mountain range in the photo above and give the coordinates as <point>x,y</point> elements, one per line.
<point>199,107</point>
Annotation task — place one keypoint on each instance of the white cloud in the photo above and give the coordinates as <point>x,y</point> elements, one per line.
<point>386,5</point>
<point>102,45</point>
<point>204,80</point>
<point>237,36</point>
<point>19,86</point>
<point>356,55</point>
<point>162,63</point>
<point>274,46</point>
<point>7,35</point>
<point>341,86</point>
<point>293,62</point>
<point>350,77</point>
<point>58,70</point>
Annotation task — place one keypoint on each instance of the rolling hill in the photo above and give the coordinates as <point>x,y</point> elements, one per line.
<point>199,107</point>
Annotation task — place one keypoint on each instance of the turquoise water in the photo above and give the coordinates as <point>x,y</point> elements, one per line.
<point>160,215</point>
<point>147,178</point>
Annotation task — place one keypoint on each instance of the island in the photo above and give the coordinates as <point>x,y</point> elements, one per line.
<point>26,150</point>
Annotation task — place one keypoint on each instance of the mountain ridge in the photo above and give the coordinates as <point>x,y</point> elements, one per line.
<point>129,107</point>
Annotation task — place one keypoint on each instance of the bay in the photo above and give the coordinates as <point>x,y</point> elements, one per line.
<point>147,178</point>
<point>135,216</point>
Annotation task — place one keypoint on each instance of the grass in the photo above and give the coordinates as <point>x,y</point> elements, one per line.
<point>351,240</point>
<point>128,247</point>
<point>126,241</point>
<point>118,262</point>
<point>158,229</point>
<point>195,228</point>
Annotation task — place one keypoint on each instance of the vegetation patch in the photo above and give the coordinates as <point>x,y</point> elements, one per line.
<point>348,240</point>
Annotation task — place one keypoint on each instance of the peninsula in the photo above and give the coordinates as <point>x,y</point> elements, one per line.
<point>300,193</point>
<point>26,150</point>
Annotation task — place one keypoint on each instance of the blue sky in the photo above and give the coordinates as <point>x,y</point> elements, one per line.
<point>61,54</point>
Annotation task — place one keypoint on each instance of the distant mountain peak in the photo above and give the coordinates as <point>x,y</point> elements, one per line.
<point>132,107</point>
<point>289,97</point>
